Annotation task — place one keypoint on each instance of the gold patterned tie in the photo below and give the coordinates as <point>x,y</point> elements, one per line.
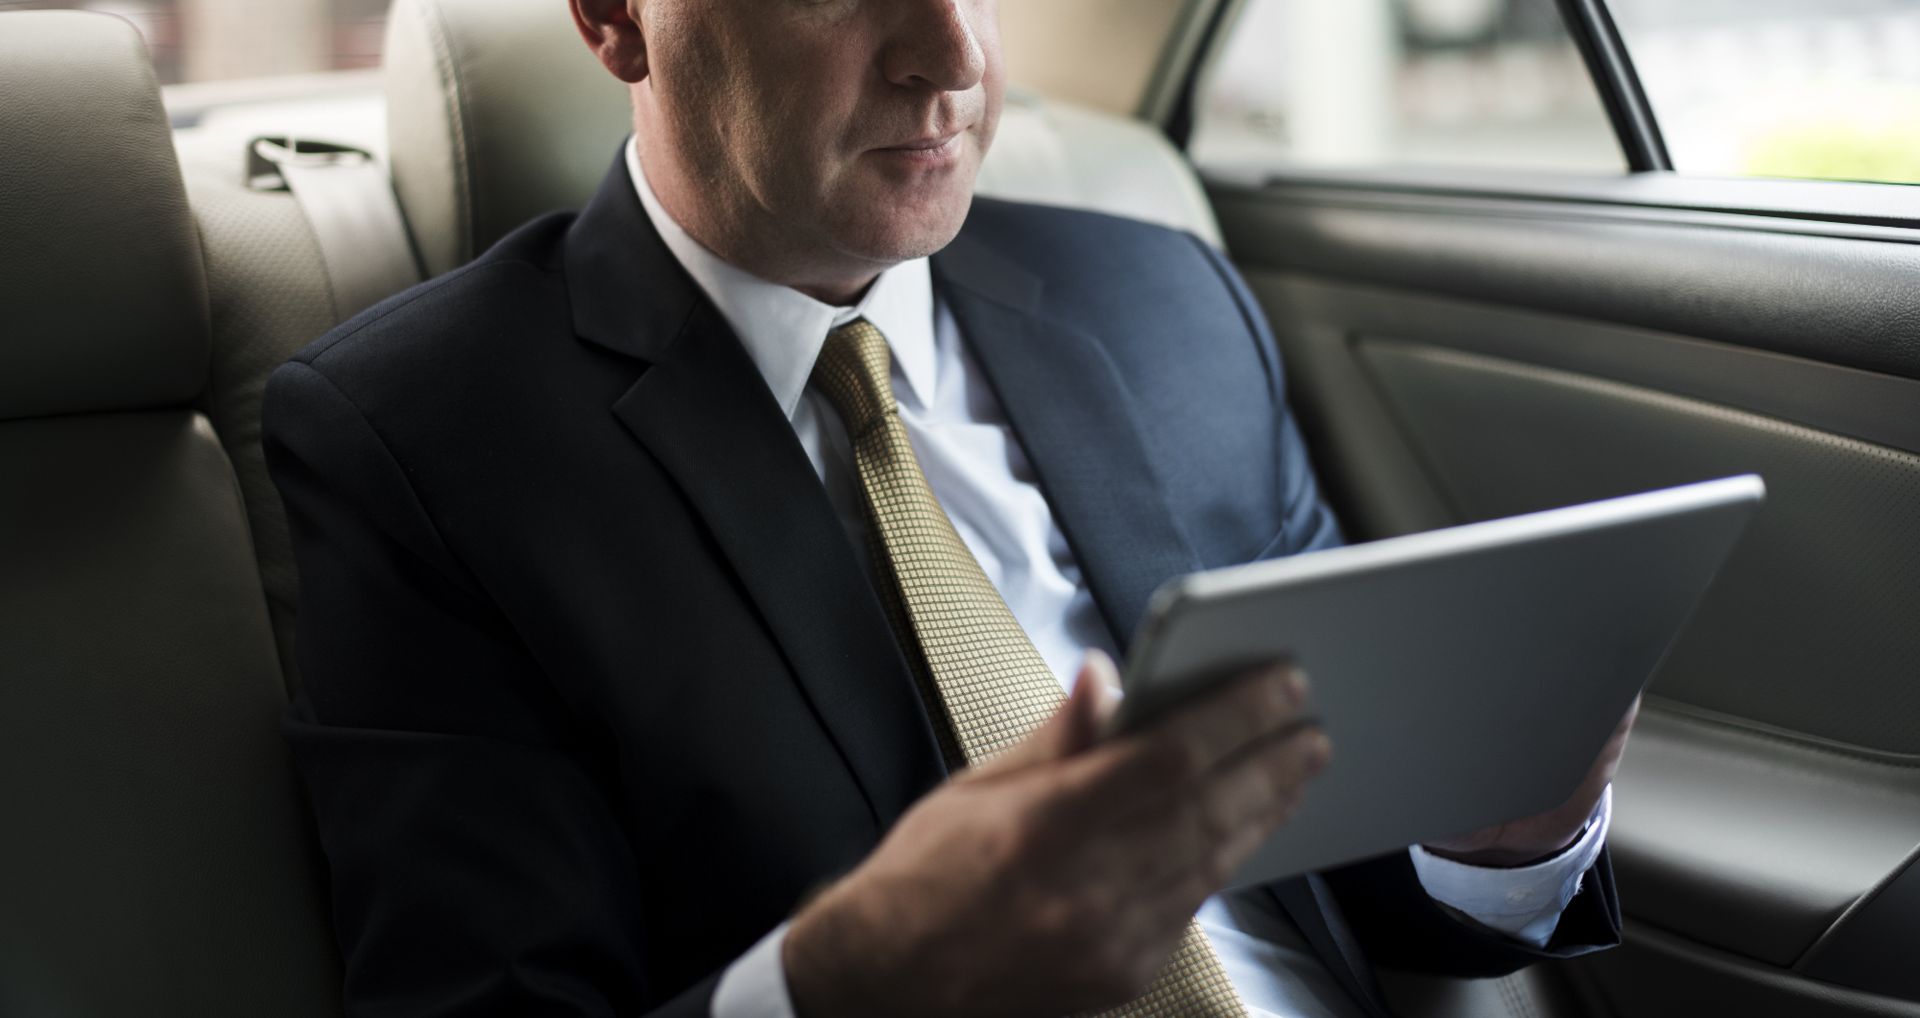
<point>979,673</point>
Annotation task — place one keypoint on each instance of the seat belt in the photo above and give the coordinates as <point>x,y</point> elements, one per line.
<point>348,199</point>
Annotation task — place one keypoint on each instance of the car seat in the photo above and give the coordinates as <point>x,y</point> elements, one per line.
<point>157,859</point>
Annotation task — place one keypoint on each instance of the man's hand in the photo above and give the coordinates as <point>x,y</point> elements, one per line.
<point>1519,842</point>
<point>1059,876</point>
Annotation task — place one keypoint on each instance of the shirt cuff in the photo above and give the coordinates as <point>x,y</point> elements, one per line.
<point>755,985</point>
<point>1524,902</point>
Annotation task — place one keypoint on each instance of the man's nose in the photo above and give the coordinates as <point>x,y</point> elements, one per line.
<point>937,45</point>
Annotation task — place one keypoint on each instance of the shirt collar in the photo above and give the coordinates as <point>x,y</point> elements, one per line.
<point>784,329</point>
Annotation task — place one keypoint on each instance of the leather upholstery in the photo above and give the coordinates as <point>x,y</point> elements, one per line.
<point>1872,947</point>
<point>269,292</point>
<point>156,859</point>
<point>1539,991</point>
<point>267,288</point>
<point>1821,586</point>
<point>497,112</point>
<point>105,301</point>
<point>1833,299</point>
<point>1657,974</point>
<point>1701,848</point>
<point>1055,153</point>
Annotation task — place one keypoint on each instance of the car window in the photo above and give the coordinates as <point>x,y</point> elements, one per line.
<point>1783,88</point>
<point>218,40</point>
<point>1382,83</point>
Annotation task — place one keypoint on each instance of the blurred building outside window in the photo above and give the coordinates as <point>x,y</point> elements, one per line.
<point>1493,84</point>
<point>1826,89</point>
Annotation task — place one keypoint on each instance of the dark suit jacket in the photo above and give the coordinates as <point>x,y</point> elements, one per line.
<point>595,688</point>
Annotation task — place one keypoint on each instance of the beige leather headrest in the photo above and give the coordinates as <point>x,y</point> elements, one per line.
<point>1057,153</point>
<point>497,112</point>
<point>103,300</point>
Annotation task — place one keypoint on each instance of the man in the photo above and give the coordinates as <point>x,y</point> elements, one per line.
<point>690,586</point>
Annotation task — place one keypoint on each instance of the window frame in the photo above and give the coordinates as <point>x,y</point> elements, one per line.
<point>1877,210</point>
<point>1591,25</point>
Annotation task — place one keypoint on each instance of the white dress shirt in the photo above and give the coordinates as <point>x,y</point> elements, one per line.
<point>982,478</point>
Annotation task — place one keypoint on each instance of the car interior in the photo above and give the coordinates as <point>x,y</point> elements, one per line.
<point>1460,346</point>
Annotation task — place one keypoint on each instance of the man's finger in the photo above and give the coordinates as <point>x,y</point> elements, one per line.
<point>1195,740</point>
<point>1156,768</point>
<point>1244,787</point>
<point>1245,796</point>
<point>1242,801</point>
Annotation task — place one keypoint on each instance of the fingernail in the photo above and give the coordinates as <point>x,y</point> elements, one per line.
<point>1319,752</point>
<point>1104,669</point>
<point>1296,683</point>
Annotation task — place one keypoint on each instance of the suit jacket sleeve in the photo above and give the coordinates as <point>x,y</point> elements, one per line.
<point>1396,922</point>
<point>477,864</point>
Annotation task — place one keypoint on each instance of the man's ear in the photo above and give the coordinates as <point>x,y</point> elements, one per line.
<point>612,30</point>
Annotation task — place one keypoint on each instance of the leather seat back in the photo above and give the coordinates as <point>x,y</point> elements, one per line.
<point>497,112</point>
<point>155,858</point>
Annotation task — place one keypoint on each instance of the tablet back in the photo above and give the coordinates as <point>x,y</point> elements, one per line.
<point>1466,676</point>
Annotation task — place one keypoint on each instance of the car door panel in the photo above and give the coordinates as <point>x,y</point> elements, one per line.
<point>1811,615</point>
<point>1771,279</point>
<point>1658,974</point>
<point>1456,358</point>
<point>1869,947</point>
<point>1727,835</point>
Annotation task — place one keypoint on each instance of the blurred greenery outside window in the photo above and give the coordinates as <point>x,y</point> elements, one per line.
<point>218,40</point>
<point>1824,89</point>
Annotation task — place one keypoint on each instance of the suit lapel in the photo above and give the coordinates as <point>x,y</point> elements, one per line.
<point>705,414</point>
<point>1078,426</point>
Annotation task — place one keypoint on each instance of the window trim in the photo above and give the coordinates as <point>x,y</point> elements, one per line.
<point>1853,209</point>
<point>1169,99</point>
<point>1200,33</point>
<point>1873,210</point>
<point>1636,128</point>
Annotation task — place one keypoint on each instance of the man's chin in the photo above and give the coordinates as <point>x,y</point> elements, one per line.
<point>891,234</point>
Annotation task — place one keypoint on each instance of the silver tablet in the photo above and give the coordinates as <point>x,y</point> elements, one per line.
<point>1466,676</point>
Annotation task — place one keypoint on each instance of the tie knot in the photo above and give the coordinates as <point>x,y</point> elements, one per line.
<point>855,371</point>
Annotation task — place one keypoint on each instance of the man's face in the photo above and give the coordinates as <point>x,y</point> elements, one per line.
<point>847,131</point>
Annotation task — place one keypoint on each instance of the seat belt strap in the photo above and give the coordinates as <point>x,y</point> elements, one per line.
<point>348,199</point>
